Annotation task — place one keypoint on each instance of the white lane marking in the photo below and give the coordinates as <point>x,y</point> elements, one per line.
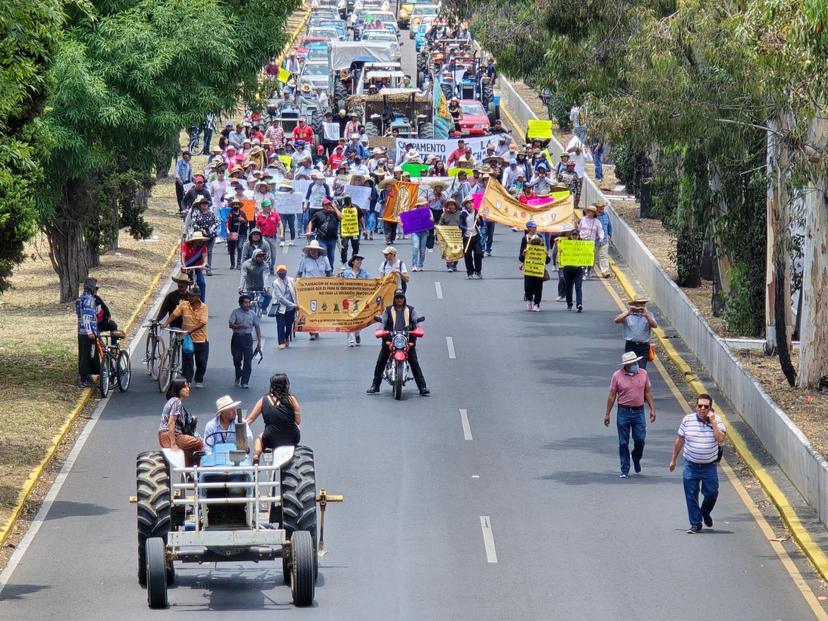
<point>60,479</point>
<point>475,476</point>
<point>439,288</point>
<point>450,345</point>
<point>464,420</point>
<point>488,539</point>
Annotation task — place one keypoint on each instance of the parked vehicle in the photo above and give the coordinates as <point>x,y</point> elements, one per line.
<point>475,120</point>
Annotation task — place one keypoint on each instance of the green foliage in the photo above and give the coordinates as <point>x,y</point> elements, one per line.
<point>739,315</point>
<point>29,32</point>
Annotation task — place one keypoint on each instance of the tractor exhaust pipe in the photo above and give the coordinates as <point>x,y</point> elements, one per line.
<point>240,431</point>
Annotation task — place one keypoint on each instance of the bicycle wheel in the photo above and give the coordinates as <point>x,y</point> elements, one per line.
<point>165,372</point>
<point>159,350</point>
<point>123,371</point>
<point>150,347</point>
<point>103,380</point>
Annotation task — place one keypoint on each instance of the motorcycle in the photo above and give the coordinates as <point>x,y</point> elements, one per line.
<point>397,372</point>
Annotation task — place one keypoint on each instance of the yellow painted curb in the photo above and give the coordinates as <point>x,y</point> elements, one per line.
<point>37,472</point>
<point>777,496</point>
<point>512,122</point>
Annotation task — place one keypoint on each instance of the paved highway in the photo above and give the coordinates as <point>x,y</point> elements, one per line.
<point>497,497</point>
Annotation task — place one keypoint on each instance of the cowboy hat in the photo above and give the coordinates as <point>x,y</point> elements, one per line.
<point>317,175</point>
<point>591,208</point>
<point>385,182</point>
<point>179,276</point>
<point>353,258</point>
<point>286,184</point>
<point>306,88</point>
<point>389,250</point>
<point>314,245</point>
<point>639,299</point>
<point>195,236</point>
<point>225,403</point>
<point>438,184</point>
<point>412,154</point>
<point>629,357</point>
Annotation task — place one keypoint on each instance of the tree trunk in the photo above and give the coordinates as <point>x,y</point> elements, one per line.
<point>813,340</point>
<point>69,256</point>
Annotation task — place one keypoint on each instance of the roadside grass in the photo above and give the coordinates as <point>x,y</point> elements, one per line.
<point>38,344</point>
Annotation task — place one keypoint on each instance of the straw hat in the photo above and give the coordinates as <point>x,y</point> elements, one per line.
<point>639,299</point>
<point>317,175</point>
<point>314,245</point>
<point>286,184</point>
<point>389,250</point>
<point>225,403</point>
<point>306,88</point>
<point>179,276</point>
<point>195,236</point>
<point>629,357</point>
<point>385,182</point>
<point>591,208</point>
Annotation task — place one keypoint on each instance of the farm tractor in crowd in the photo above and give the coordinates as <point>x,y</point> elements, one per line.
<point>228,509</point>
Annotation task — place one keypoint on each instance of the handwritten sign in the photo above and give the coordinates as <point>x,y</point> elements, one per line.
<point>350,222</point>
<point>416,220</point>
<point>539,128</point>
<point>576,252</point>
<point>534,261</point>
<point>330,131</point>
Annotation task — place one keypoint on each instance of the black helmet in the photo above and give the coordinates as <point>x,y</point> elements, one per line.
<point>399,293</point>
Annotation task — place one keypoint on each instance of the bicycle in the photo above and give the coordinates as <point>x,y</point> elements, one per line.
<point>155,349</point>
<point>255,303</point>
<point>194,142</point>
<point>170,366</point>
<point>114,362</point>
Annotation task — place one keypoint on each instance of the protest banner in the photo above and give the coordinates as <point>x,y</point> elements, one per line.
<point>545,201</point>
<point>499,206</point>
<point>341,304</point>
<point>539,128</point>
<point>416,170</point>
<point>249,209</point>
<point>534,260</point>
<point>441,148</point>
<point>350,222</point>
<point>402,196</point>
<point>451,242</point>
<point>580,253</point>
<point>360,195</point>
<point>416,220</point>
<point>288,202</point>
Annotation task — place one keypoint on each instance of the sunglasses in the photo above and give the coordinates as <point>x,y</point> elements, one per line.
<point>703,406</point>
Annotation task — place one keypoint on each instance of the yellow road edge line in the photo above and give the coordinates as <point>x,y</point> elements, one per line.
<point>762,523</point>
<point>37,471</point>
<point>789,516</point>
<point>512,122</point>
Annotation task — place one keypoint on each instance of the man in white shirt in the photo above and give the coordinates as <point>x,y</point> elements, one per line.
<point>222,428</point>
<point>577,154</point>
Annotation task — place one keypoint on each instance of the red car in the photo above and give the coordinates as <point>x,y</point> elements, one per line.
<point>475,121</point>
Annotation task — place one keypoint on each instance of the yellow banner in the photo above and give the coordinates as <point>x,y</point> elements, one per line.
<point>401,197</point>
<point>350,222</point>
<point>450,239</point>
<point>538,128</point>
<point>341,304</point>
<point>534,260</point>
<point>576,252</point>
<point>284,76</point>
<point>554,217</point>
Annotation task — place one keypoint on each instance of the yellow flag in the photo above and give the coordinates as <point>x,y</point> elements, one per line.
<point>498,205</point>
<point>450,239</point>
<point>341,304</point>
<point>284,75</point>
<point>350,222</point>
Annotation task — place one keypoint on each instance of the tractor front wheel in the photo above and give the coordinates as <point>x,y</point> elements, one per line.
<point>298,489</point>
<point>154,505</point>
<point>156,572</point>
<point>303,567</point>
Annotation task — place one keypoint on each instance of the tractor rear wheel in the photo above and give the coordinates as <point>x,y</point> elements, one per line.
<point>154,506</point>
<point>298,490</point>
<point>426,131</point>
<point>156,572</point>
<point>303,568</point>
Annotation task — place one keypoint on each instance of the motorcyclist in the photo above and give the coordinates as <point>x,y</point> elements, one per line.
<point>399,316</point>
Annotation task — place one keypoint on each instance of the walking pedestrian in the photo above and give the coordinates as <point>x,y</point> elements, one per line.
<point>194,314</point>
<point>288,218</point>
<point>638,324</point>
<point>473,253</point>
<point>236,231</point>
<point>183,176</point>
<point>194,260</point>
<point>699,438</point>
<point>419,241</point>
<point>450,217</point>
<point>283,289</point>
<point>243,320</point>
<point>351,212</point>
<point>325,225</point>
<point>354,270</point>
<point>86,310</point>
<point>314,265</point>
<point>532,285</point>
<point>590,228</point>
<point>602,248</point>
<point>573,277</point>
<point>393,265</point>
<point>631,386</point>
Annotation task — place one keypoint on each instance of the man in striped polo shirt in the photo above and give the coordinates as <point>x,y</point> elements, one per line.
<point>699,437</point>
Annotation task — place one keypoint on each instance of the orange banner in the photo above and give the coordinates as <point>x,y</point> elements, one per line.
<point>555,217</point>
<point>401,197</point>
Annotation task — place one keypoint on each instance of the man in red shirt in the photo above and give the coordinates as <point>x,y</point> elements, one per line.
<point>269,223</point>
<point>303,132</point>
<point>336,158</point>
<point>457,153</point>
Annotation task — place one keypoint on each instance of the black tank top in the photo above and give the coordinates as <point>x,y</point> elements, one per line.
<point>280,424</point>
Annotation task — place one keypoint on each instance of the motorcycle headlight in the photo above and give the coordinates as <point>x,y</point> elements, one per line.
<point>399,341</point>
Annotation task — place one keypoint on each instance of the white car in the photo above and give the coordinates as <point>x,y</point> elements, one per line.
<point>316,74</point>
<point>384,36</point>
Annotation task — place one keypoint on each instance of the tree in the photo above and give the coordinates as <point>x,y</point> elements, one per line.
<point>126,78</point>
<point>30,32</point>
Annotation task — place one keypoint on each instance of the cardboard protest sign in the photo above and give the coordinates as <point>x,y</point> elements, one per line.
<point>330,131</point>
<point>350,222</point>
<point>499,206</point>
<point>450,239</point>
<point>416,220</point>
<point>402,196</point>
<point>288,202</point>
<point>580,253</point>
<point>341,304</point>
<point>360,195</point>
<point>534,260</point>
